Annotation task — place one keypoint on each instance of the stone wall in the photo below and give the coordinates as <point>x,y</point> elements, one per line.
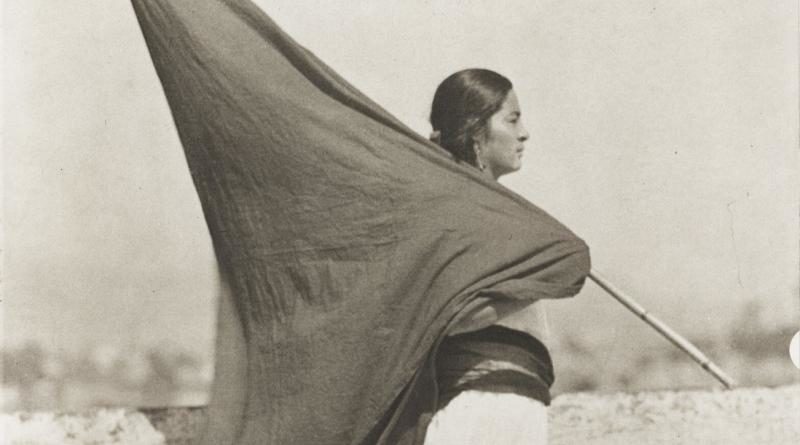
<point>741,416</point>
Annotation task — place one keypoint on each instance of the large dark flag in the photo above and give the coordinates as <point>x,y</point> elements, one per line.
<point>350,242</point>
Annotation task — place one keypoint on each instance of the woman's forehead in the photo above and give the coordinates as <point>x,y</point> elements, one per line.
<point>511,104</point>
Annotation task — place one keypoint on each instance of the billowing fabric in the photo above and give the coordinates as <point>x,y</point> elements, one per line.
<point>350,243</point>
<point>494,359</point>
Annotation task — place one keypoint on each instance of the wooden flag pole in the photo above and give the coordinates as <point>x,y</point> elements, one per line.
<point>664,330</point>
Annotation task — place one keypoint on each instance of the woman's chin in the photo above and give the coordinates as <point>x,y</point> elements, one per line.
<point>510,169</point>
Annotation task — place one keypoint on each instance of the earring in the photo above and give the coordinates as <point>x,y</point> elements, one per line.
<point>478,161</point>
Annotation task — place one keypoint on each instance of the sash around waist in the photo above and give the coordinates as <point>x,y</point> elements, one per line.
<point>495,359</point>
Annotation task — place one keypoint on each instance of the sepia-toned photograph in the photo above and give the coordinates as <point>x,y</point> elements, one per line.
<point>419,222</point>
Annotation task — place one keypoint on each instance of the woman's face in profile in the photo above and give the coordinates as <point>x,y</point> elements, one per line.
<point>502,146</point>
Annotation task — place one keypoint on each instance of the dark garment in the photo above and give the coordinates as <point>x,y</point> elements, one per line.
<point>350,242</point>
<point>494,359</point>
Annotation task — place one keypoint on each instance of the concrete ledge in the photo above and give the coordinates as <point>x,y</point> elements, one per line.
<point>102,426</point>
<point>742,416</point>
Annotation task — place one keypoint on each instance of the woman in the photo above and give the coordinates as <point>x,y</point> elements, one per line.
<point>493,372</point>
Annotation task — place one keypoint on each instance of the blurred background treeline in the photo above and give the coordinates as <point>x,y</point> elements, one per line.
<point>755,352</point>
<point>35,378</point>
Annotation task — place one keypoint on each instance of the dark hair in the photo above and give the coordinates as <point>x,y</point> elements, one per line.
<point>462,106</point>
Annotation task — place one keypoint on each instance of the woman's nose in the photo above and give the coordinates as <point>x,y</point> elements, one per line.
<point>523,134</point>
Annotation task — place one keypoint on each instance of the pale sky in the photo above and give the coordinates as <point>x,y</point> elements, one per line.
<point>665,133</point>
